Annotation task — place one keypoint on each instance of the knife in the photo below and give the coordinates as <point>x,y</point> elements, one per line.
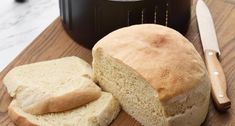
<point>211,52</point>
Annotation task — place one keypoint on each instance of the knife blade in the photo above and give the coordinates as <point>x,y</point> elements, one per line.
<point>211,52</point>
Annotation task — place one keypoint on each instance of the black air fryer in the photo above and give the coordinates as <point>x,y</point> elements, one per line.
<point>87,21</point>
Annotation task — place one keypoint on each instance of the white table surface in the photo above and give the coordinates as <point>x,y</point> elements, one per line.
<point>21,23</point>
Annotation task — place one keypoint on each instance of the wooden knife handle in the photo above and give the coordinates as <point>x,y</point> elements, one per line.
<point>218,81</point>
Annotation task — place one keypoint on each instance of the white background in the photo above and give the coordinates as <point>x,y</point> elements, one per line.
<point>21,23</point>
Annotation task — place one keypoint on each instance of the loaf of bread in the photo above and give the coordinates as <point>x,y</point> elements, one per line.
<point>156,74</point>
<point>100,112</point>
<point>52,86</point>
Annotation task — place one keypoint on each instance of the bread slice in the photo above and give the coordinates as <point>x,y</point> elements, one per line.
<point>52,86</point>
<point>156,74</point>
<point>100,112</point>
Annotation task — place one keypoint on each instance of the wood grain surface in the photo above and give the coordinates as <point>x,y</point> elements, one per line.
<point>218,81</point>
<point>55,43</point>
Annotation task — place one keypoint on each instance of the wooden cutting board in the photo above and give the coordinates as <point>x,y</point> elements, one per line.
<point>55,43</point>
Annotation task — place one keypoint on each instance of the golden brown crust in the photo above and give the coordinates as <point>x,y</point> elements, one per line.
<point>103,111</point>
<point>68,101</point>
<point>164,58</point>
<point>18,119</point>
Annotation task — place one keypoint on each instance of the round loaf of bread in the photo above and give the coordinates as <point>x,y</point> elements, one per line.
<point>156,74</point>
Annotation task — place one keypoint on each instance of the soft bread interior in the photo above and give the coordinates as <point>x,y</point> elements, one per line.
<point>70,93</point>
<point>141,101</point>
<point>46,73</point>
<point>97,113</point>
<point>134,94</point>
<point>154,66</point>
<point>52,86</point>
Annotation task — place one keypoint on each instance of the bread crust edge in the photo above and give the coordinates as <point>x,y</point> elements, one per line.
<point>65,102</point>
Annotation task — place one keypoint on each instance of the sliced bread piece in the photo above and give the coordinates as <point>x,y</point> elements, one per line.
<point>156,74</point>
<point>73,93</point>
<point>100,112</point>
<point>52,86</point>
